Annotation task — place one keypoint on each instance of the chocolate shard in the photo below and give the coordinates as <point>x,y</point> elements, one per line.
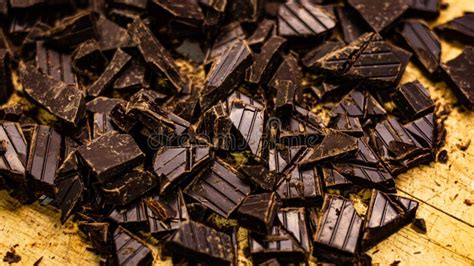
<point>133,77</point>
<point>347,124</point>
<point>409,205</point>
<point>428,7</point>
<point>339,227</point>
<point>65,102</point>
<point>43,159</point>
<point>260,176</point>
<point>423,130</point>
<point>230,35</point>
<point>282,158</point>
<point>266,61</point>
<point>352,24</point>
<point>413,100</point>
<point>88,60</point>
<point>364,155</point>
<point>110,154</point>
<point>242,97</point>
<point>249,121</point>
<point>296,131</point>
<point>294,221</point>
<point>187,13</point>
<point>257,212</point>
<point>404,57</point>
<point>220,188</point>
<point>226,74</point>
<point>103,104</point>
<point>286,82</point>
<point>302,187</point>
<point>98,234</point>
<point>130,4</point>
<point>195,240</point>
<point>5,75</point>
<point>166,213</point>
<point>312,57</point>
<point>304,19</point>
<point>73,30</point>
<point>109,42</point>
<point>380,14</point>
<point>156,56</point>
<point>14,159</point>
<point>333,179</point>
<point>111,72</point>
<point>55,64</point>
<point>245,10</point>
<point>262,33</point>
<point>120,119</point>
<point>423,42</point>
<point>129,250</point>
<point>460,83</point>
<point>129,187</point>
<point>460,28</point>
<point>134,214</point>
<point>334,145</point>
<point>359,103</point>
<point>174,164</point>
<point>215,127</point>
<point>367,176</point>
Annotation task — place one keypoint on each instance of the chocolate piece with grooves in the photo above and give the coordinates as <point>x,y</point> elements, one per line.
<point>129,250</point>
<point>367,176</point>
<point>73,30</point>
<point>302,187</point>
<point>257,212</point>
<point>423,130</point>
<point>249,121</point>
<point>55,64</point>
<point>413,100</point>
<point>461,28</point>
<point>310,59</point>
<point>334,145</point>
<point>333,179</point>
<point>263,32</point>
<point>13,161</point>
<point>461,83</point>
<point>266,61</point>
<point>347,124</point>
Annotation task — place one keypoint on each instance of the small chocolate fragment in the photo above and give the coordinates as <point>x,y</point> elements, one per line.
<point>229,36</point>
<point>109,42</point>
<point>195,240</point>
<point>413,100</point>
<point>73,30</point>
<point>88,60</point>
<point>428,7</point>
<point>367,176</point>
<point>262,33</point>
<point>129,250</point>
<point>304,19</point>
<point>260,176</point>
<point>347,124</point>
<point>302,187</point>
<point>220,188</point>
<point>257,212</point>
<point>120,118</point>
<point>133,77</point>
<point>266,61</point>
<point>333,179</point>
<point>462,84</point>
<point>443,156</point>
<point>334,145</point>
<point>111,72</point>
<point>14,160</point>
<point>11,257</point>
<point>102,104</point>
<point>352,24</point>
<point>360,104</point>
<point>282,158</point>
<point>110,154</point>
<point>310,59</point>
<point>6,86</point>
<point>245,10</point>
<point>167,213</point>
<point>423,42</point>
<point>68,187</point>
<point>55,64</point>
<point>57,97</point>
<point>419,225</point>
<point>249,121</point>
<point>186,13</point>
<point>285,82</point>
<point>297,131</point>
<point>98,234</point>
<point>423,130</point>
<point>460,28</point>
<point>174,164</point>
<point>380,14</point>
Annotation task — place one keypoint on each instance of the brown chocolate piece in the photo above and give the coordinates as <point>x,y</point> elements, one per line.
<point>262,33</point>
<point>413,100</point>
<point>359,103</point>
<point>265,61</point>
<point>14,160</point>
<point>334,145</point>
<point>425,7</point>
<point>367,176</point>
<point>73,30</point>
<point>257,212</point>
<point>347,124</point>
<point>302,187</point>
<point>5,75</point>
<point>102,104</point>
<point>109,42</point>
<point>423,130</point>
<point>88,60</point>
<point>461,28</point>
<point>380,14</point>
<point>214,127</point>
<point>310,59</point>
<point>55,64</point>
<point>228,37</point>
<point>286,82</point>
<point>166,213</point>
<point>461,83</point>
<point>333,179</point>
<point>249,121</point>
<point>245,10</point>
<point>129,250</point>
<point>133,77</point>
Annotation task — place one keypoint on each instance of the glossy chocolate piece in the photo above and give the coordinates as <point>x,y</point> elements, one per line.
<point>185,13</point>
<point>229,36</point>
<point>260,176</point>
<point>303,19</point>
<point>195,240</point>
<point>14,159</point>
<point>286,82</point>
<point>380,14</point>
<point>262,33</point>
<point>334,145</point>
<point>166,213</point>
<point>423,130</point>
<point>423,42</point>
<point>333,179</point>
<point>428,7</point>
<point>110,42</point>
<point>257,212</point>
<point>245,10</point>
<point>249,121</point>
<point>98,234</point>
<point>301,187</point>
<point>413,100</point>
<point>359,103</point>
<point>156,56</point>
<point>120,118</point>
<point>5,75</point>
<point>364,155</point>
<point>133,77</point>
<point>44,157</point>
<point>214,127</point>
<point>68,186</point>
<point>88,60</point>
<point>347,124</point>
<point>296,131</point>
<point>65,102</point>
<point>294,221</point>
<point>282,158</point>
<point>219,178</point>
<point>174,164</point>
<point>55,64</point>
<point>102,104</point>
<point>461,28</point>
<point>129,250</point>
<point>461,83</point>
<point>134,214</point>
<point>352,24</point>
<point>73,30</point>
<point>367,176</point>
<point>266,61</point>
<point>243,97</point>
<point>310,59</point>
<point>110,154</point>
<point>111,72</point>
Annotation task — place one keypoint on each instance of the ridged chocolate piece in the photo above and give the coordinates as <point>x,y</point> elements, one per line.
<point>423,130</point>
<point>65,102</point>
<point>428,7</point>
<point>110,154</point>
<point>302,187</point>
<point>219,188</point>
<point>129,250</point>
<point>294,221</point>
<point>156,56</point>
<point>262,33</point>
<point>55,64</point>
<point>364,155</point>
<point>282,158</point>
<point>310,59</point>
<point>14,159</point>
<point>339,227</point>
<point>265,61</point>
<point>303,19</point>
<point>166,213</point>
<point>88,60</point>
<point>423,42</point>
<point>238,96</point>
<point>226,74</point>
<point>347,124</point>
<point>133,214</point>
<point>413,100</point>
<point>409,205</point>
<point>296,131</point>
<point>43,159</point>
<point>111,72</point>
<point>460,28</point>
<point>173,164</point>
<point>72,30</point>
<point>461,83</point>
<point>367,176</point>
<point>334,145</point>
<point>249,121</point>
<point>193,240</point>
<point>352,24</point>
<point>359,103</point>
<point>229,36</point>
<point>260,176</point>
<point>333,179</point>
<point>257,212</point>
<point>380,14</point>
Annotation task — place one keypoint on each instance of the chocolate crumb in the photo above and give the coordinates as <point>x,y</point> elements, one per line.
<point>468,202</point>
<point>443,156</point>
<point>419,225</point>
<point>11,257</point>
<point>38,261</point>
<point>395,263</point>
<point>464,146</point>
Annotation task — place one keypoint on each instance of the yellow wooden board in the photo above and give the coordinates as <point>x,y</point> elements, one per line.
<point>442,190</point>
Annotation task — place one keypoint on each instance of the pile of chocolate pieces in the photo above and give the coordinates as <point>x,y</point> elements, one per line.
<point>223,131</point>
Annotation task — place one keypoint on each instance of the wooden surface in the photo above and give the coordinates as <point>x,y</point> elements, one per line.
<point>442,190</point>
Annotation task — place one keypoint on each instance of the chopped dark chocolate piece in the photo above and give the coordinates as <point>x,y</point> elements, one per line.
<point>285,82</point>
<point>14,160</point>
<point>215,126</point>
<point>423,130</point>
<point>347,124</point>
<point>409,205</point>
<point>443,156</point>
<point>173,164</point>
<point>228,37</point>
<point>334,145</point>
<point>302,187</point>
<point>413,100</point>
<point>43,159</point>
<point>282,158</point>
<point>98,234</point>
<point>187,12</point>
<point>260,176</point>
<point>167,213</point>
<point>238,96</point>
<point>57,97</point>
<point>133,77</point>
<point>333,179</point>
<point>266,61</point>
<point>55,64</point>
<point>102,104</point>
<point>226,74</point>
<point>367,176</point>
<point>5,75</point>
<point>68,193</point>
<point>88,60</point>
<point>110,154</point>
<point>461,28</point>
<point>429,7</point>
<point>360,104</point>
<point>257,212</point>
<point>220,188</point>
<point>129,250</point>
<point>156,56</point>
<point>73,30</point>
<point>304,19</point>
<point>298,131</point>
<point>310,59</point>
<point>461,83</point>
<point>249,121</point>
<point>138,4</point>
<point>423,42</point>
<point>133,214</point>
<point>294,221</point>
<point>245,10</point>
<point>195,240</point>
<point>380,14</point>
<point>364,155</point>
<point>352,24</point>
<point>120,118</point>
<point>262,33</point>
<point>109,42</point>
<point>419,225</point>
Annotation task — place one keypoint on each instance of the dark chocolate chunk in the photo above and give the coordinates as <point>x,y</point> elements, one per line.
<point>364,155</point>
<point>380,14</point>
<point>220,188</point>
<point>310,59</point>
<point>304,19</point>
<point>249,121</point>
<point>109,42</point>
<point>245,10</point>
<point>73,30</point>
<point>285,82</point>
<point>460,28</point>
<point>11,257</point>
<point>174,164</point>
<point>360,104</point>
<point>43,159</point>
<point>260,176</point>
<point>294,221</point>
<point>298,131</point>
<point>423,130</point>
<point>5,75</point>
<point>367,176</point>
<point>14,160</point>
<point>186,12</point>
<point>347,124</point>
<point>101,124</point>
<point>413,100</point>
<point>120,118</point>
<point>228,37</point>
<point>257,212</point>
<point>443,156</point>
<point>88,60</point>
<point>138,4</point>
<point>111,72</point>
<point>65,102</point>
<point>55,64</point>
<point>282,158</point>
<point>102,104</point>
<point>156,56</point>
<point>214,127</point>
<point>167,213</point>
<point>262,33</point>
<point>461,83</point>
<point>419,225</point>
<point>98,234</point>
<point>129,250</point>
<point>133,77</point>
<point>134,214</point>
<point>334,145</point>
<point>238,96</point>
<point>428,7</point>
<point>195,240</point>
<point>68,187</point>
<point>352,24</point>
<point>302,187</point>
<point>333,179</point>
<point>110,154</point>
<point>226,74</point>
<point>265,61</point>
<point>423,42</point>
